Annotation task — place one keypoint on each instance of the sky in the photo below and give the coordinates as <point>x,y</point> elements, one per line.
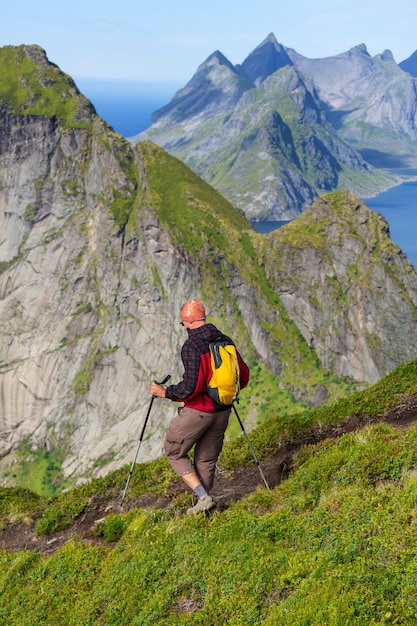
<point>164,41</point>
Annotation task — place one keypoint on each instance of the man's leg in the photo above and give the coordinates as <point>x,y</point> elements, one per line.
<point>183,432</point>
<point>209,446</point>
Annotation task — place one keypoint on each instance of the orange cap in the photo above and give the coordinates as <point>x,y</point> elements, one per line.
<point>193,311</point>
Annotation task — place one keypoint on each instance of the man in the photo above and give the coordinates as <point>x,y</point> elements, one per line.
<point>200,422</point>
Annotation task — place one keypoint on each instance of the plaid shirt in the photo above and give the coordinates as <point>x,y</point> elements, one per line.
<point>195,355</point>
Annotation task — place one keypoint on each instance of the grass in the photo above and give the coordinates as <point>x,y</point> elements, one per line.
<point>31,85</point>
<point>333,544</point>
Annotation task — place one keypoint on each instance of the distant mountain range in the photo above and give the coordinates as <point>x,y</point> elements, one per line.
<point>276,131</point>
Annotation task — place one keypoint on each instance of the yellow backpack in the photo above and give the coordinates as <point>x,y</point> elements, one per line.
<point>224,385</point>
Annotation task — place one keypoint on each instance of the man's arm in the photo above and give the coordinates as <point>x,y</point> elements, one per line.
<point>184,389</point>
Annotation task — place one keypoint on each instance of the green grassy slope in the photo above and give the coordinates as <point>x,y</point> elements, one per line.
<point>334,543</point>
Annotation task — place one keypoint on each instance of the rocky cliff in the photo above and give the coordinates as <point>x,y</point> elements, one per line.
<point>410,65</point>
<point>349,289</point>
<point>102,242</point>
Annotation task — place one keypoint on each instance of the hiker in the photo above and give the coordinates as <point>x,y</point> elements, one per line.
<point>200,422</point>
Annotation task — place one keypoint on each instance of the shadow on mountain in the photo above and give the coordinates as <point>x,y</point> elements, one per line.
<point>383,160</point>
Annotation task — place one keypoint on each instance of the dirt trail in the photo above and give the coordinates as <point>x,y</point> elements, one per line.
<point>230,486</point>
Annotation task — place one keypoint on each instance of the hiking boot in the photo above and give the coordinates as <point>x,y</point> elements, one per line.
<point>202,506</point>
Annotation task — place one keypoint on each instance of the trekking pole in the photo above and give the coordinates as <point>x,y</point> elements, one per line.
<point>251,448</point>
<point>140,440</point>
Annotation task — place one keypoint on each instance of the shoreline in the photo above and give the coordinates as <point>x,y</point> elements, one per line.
<point>402,178</point>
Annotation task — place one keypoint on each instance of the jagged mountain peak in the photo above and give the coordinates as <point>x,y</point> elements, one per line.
<point>279,79</point>
<point>269,39</point>
<point>216,58</point>
<point>215,84</point>
<point>265,59</point>
<point>410,65</point>
<point>360,48</point>
<point>386,55</point>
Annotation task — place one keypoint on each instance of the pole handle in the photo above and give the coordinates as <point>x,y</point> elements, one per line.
<point>162,382</point>
<point>166,379</point>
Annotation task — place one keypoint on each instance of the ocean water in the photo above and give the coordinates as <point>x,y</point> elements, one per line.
<point>399,207</point>
<point>124,116</point>
<point>126,106</point>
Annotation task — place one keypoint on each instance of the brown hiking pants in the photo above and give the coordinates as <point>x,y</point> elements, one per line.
<point>204,430</point>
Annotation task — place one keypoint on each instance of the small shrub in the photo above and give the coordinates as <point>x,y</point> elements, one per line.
<point>111,528</point>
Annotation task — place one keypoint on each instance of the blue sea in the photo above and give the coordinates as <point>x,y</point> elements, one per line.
<point>399,207</point>
<point>128,107</point>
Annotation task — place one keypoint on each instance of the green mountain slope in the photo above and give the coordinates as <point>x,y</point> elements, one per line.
<point>333,543</point>
<point>77,237</point>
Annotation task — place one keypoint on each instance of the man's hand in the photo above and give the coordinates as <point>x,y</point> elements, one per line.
<point>157,390</point>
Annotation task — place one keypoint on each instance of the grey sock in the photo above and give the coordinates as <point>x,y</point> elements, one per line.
<point>200,492</point>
